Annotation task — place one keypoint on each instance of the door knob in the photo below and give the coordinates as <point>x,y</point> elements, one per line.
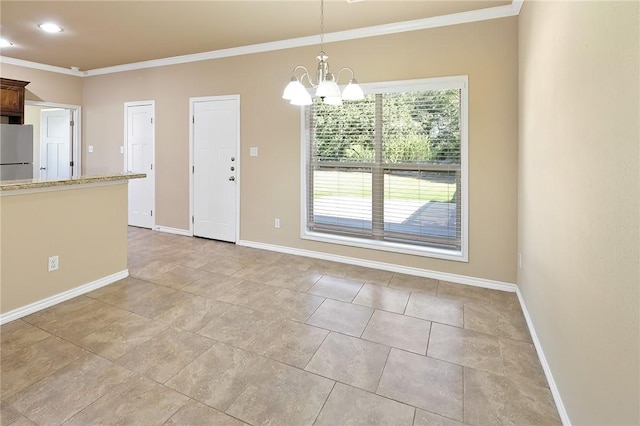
<point>43,168</point>
<point>232,178</point>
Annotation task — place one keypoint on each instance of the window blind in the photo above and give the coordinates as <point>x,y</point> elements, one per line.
<point>387,168</point>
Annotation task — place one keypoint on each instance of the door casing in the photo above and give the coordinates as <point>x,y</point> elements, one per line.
<point>76,143</point>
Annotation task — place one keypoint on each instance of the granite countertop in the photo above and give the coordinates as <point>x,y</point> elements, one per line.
<point>13,185</point>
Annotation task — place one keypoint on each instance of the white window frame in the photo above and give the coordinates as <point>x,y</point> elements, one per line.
<point>441,83</point>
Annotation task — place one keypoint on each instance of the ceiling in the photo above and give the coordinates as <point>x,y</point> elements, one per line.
<point>100,34</point>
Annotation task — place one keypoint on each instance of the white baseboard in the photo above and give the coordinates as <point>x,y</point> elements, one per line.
<point>169,230</point>
<point>443,276</point>
<point>61,297</point>
<point>562,412</point>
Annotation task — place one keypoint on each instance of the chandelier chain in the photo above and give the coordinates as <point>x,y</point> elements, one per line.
<point>321,25</point>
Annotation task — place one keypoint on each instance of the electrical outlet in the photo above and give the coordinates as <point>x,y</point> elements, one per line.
<point>90,148</point>
<point>54,263</point>
<point>121,149</point>
<point>277,223</point>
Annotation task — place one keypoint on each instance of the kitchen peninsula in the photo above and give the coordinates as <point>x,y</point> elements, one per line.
<point>60,239</point>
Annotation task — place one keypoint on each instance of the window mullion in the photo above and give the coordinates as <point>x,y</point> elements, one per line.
<point>377,176</point>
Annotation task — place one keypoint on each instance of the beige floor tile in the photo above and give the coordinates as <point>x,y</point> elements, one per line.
<point>496,321</point>
<point>466,347</point>
<point>399,331</point>
<point>423,382</point>
<point>147,271</point>
<point>121,336</point>
<point>195,414</point>
<point>505,300</point>
<point>294,279</point>
<point>282,396</point>
<point>350,360</point>
<point>161,357</point>
<point>387,299</point>
<point>465,293</point>
<point>141,297</point>
<point>30,364</point>
<point>179,277</point>
<point>414,284</point>
<point>493,399</point>
<point>212,286</point>
<point>327,267</point>
<point>425,418</point>
<point>291,304</point>
<point>336,288</point>
<point>136,402</point>
<point>249,293</point>
<point>259,273</point>
<point>19,334</point>
<point>341,317</point>
<point>227,265</point>
<point>289,342</point>
<point>219,375</point>
<point>74,325</point>
<point>238,326</point>
<point>54,313</point>
<point>300,263</point>
<point>369,275</point>
<point>521,362</point>
<point>351,406</point>
<point>435,309</point>
<point>8,414</point>
<point>192,259</point>
<point>61,395</point>
<point>192,312</point>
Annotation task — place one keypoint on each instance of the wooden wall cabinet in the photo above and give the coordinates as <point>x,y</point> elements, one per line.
<point>12,100</point>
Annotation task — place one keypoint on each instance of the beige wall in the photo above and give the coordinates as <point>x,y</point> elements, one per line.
<point>46,86</point>
<point>578,200</point>
<point>86,228</point>
<point>270,183</point>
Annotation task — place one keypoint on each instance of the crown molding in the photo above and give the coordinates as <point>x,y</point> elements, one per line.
<point>39,66</point>
<point>512,9</point>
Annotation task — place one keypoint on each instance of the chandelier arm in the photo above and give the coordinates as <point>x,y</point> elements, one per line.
<point>344,69</point>
<point>305,74</point>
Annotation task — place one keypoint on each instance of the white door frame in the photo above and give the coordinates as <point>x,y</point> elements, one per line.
<point>153,151</point>
<point>76,144</point>
<point>192,101</point>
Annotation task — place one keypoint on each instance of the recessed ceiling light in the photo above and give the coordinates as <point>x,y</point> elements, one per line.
<point>50,27</point>
<point>5,43</point>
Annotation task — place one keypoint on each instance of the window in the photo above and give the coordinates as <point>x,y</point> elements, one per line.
<point>389,172</point>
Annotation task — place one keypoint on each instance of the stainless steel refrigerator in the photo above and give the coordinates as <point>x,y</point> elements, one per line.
<point>16,151</point>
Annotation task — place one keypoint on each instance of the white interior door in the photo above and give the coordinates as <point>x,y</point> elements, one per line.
<point>55,148</point>
<point>215,167</point>
<point>140,141</point>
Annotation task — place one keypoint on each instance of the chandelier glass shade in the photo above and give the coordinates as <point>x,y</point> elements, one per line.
<point>326,87</point>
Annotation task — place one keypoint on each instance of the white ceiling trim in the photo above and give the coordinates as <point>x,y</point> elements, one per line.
<point>39,66</point>
<point>418,24</point>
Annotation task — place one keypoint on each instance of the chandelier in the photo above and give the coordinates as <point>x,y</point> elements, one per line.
<point>327,87</point>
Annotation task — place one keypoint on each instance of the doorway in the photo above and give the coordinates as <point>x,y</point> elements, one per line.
<point>56,139</point>
<point>215,167</point>
<point>139,157</point>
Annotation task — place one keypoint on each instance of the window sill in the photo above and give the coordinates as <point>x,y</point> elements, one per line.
<point>453,255</point>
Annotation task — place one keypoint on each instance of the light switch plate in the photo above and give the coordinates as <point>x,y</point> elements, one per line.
<point>121,149</point>
<point>90,148</point>
<point>253,151</point>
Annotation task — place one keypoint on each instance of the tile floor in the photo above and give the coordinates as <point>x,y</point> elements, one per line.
<point>204,332</point>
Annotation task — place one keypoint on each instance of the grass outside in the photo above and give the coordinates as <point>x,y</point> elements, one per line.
<point>358,184</point>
